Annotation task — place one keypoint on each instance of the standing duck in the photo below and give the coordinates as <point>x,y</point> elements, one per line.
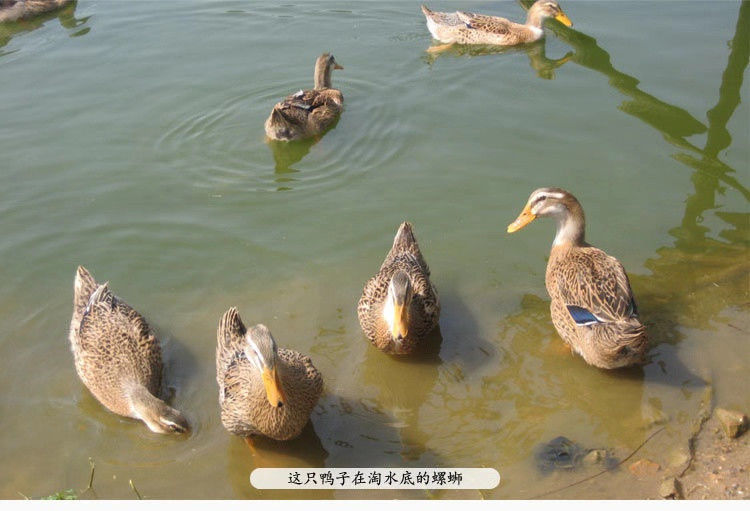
<point>469,28</point>
<point>593,308</point>
<point>118,357</point>
<point>399,305</point>
<point>308,113</point>
<point>263,389</point>
<point>15,10</point>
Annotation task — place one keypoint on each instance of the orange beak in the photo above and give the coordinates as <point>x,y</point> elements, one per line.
<point>271,382</point>
<point>563,18</point>
<point>400,325</point>
<point>524,219</point>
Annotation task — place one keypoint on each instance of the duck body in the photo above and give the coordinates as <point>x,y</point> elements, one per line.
<point>244,397</point>
<point>399,305</point>
<point>592,305</point>
<point>15,10</point>
<point>463,27</point>
<point>308,113</point>
<point>593,308</point>
<point>117,356</point>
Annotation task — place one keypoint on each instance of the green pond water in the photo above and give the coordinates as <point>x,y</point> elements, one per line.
<point>131,141</point>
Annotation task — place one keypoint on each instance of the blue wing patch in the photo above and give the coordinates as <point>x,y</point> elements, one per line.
<point>581,316</point>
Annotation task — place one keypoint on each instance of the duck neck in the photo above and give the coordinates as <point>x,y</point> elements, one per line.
<point>535,17</point>
<point>571,227</point>
<point>323,75</point>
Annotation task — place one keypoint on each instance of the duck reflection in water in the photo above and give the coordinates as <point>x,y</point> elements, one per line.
<point>536,51</point>
<point>18,16</point>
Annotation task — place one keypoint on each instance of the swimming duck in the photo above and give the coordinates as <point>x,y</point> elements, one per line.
<point>307,113</point>
<point>593,308</point>
<point>14,10</point>
<point>263,389</point>
<point>399,305</point>
<point>470,28</point>
<point>118,357</point>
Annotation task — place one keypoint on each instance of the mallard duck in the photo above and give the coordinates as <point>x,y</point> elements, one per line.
<point>307,113</point>
<point>118,357</point>
<point>593,308</point>
<point>14,10</point>
<point>469,28</point>
<point>263,389</point>
<point>399,305</point>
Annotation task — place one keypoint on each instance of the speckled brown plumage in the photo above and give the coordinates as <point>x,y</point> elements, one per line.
<point>589,278</point>
<point>14,10</point>
<point>245,411</point>
<point>117,356</point>
<point>424,311</point>
<point>307,113</point>
<point>592,308</point>
<point>463,27</point>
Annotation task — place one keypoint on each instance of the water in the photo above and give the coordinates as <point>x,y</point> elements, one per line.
<point>132,143</point>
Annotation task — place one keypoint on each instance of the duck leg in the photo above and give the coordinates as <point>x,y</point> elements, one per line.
<point>438,48</point>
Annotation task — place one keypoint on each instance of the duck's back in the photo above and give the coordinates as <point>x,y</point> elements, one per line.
<point>304,114</point>
<point>112,344</point>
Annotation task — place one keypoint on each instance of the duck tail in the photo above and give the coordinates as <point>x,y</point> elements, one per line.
<point>84,287</point>
<point>229,336</point>
<point>404,241</point>
<point>427,12</point>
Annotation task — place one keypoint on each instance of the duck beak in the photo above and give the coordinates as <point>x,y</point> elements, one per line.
<point>524,219</point>
<point>271,382</point>
<point>400,327</point>
<point>337,66</point>
<point>563,18</point>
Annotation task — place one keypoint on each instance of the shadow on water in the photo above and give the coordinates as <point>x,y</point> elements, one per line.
<point>66,15</point>
<point>302,452</point>
<point>403,384</point>
<point>537,53</point>
<point>463,346</point>
<point>697,277</point>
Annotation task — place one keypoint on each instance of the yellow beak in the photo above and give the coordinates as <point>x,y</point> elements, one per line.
<point>274,394</point>
<point>563,18</point>
<point>400,325</point>
<point>524,219</point>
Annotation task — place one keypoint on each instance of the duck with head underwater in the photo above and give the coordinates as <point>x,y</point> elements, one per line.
<point>118,357</point>
<point>592,308</point>
<point>462,27</point>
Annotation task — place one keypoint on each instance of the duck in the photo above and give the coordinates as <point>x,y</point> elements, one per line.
<point>15,10</point>
<point>593,308</point>
<point>118,357</point>
<point>462,27</point>
<point>308,113</point>
<point>400,305</point>
<point>264,390</point>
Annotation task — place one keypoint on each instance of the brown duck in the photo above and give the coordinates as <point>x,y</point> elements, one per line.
<point>593,308</point>
<point>399,305</point>
<point>469,28</point>
<point>263,389</point>
<point>118,357</point>
<point>15,10</point>
<point>308,113</point>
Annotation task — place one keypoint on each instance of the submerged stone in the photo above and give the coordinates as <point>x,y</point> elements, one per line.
<point>734,423</point>
<point>561,453</point>
<point>671,488</point>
